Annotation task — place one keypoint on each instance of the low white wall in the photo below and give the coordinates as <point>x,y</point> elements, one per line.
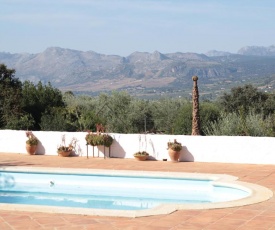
<point>228,149</point>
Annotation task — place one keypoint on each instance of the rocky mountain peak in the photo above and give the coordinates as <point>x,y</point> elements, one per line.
<point>156,56</point>
<point>89,71</point>
<point>257,50</point>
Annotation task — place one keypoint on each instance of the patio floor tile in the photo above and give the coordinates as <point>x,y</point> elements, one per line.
<point>256,216</point>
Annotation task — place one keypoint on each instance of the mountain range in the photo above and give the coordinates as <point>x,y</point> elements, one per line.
<point>146,74</point>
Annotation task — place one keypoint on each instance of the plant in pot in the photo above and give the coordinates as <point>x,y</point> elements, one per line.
<point>66,150</point>
<point>141,155</point>
<point>174,148</point>
<point>107,140</point>
<point>31,143</point>
<point>95,139</point>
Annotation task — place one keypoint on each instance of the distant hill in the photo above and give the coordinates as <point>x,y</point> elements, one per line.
<point>215,53</point>
<point>257,51</point>
<point>146,74</point>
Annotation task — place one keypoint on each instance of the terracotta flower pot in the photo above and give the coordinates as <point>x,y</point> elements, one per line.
<point>64,153</point>
<point>174,155</point>
<point>31,149</point>
<point>141,157</point>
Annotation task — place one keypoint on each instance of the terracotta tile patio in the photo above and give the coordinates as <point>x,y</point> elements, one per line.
<point>256,216</point>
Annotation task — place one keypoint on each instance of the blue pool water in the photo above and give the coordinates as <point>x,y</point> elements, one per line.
<point>109,191</point>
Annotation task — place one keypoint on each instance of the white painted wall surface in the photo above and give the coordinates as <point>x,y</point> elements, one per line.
<point>227,149</point>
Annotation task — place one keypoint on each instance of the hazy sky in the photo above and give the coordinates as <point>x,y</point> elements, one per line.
<point>125,26</point>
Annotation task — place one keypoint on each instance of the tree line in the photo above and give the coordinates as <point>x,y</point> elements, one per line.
<point>27,106</point>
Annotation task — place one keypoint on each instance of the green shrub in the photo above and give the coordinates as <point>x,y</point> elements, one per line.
<point>234,124</point>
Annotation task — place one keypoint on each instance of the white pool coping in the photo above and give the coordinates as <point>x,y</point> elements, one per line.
<point>258,193</point>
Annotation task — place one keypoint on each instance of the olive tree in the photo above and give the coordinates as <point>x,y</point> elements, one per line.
<point>10,98</point>
<point>243,98</point>
<point>38,99</point>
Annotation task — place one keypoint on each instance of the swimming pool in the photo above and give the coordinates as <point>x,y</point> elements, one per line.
<point>120,193</point>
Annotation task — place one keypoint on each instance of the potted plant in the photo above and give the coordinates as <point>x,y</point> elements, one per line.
<point>31,143</point>
<point>174,148</point>
<point>107,140</point>
<point>141,155</point>
<point>95,139</point>
<point>99,138</point>
<point>66,150</point>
